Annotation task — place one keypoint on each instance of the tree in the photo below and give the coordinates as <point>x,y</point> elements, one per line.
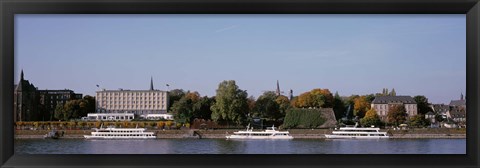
<point>397,115</point>
<point>284,105</point>
<point>90,104</point>
<point>173,96</point>
<point>319,98</point>
<point>201,108</point>
<point>361,106</point>
<point>339,107</point>
<point>230,104</point>
<point>59,112</point>
<point>422,104</point>
<point>371,118</point>
<point>183,110</point>
<point>266,106</point>
<point>418,121</point>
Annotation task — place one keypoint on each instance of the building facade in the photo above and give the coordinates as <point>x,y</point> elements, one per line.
<point>382,104</point>
<point>31,104</point>
<point>25,101</point>
<point>49,99</point>
<point>139,102</point>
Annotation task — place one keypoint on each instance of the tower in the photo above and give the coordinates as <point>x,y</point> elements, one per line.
<point>151,83</point>
<point>461,96</point>
<point>291,94</point>
<point>278,89</point>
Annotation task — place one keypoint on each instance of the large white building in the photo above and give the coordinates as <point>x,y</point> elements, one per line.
<point>381,104</point>
<point>139,102</point>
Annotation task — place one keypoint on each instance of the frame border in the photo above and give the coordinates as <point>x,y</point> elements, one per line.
<point>9,8</point>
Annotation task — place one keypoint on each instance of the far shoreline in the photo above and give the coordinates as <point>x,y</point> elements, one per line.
<point>420,133</point>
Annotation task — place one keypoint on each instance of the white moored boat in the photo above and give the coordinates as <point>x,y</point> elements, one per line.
<point>270,133</point>
<point>120,133</point>
<point>357,133</point>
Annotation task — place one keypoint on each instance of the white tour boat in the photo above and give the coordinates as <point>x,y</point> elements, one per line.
<point>357,133</point>
<point>270,133</point>
<point>120,133</point>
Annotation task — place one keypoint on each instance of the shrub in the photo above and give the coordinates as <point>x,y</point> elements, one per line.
<point>303,118</point>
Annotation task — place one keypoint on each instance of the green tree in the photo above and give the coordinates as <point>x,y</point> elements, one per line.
<point>422,104</point>
<point>339,106</point>
<point>418,121</point>
<point>230,104</point>
<point>266,106</point>
<point>397,115</point>
<point>59,112</point>
<point>90,104</point>
<point>371,118</point>
<point>201,108</point>
<point>183,110</point>
<point>173,96</point>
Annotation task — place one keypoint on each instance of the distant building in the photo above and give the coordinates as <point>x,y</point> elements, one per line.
<point>109,116</point>
<point>459,103</point>
<point>49,99</point>
<point>382,104</point>
<point>139,102</point>
<point>278,89</point>
<point>430,116</point>
<point>31,104</point>
<point>440,109</point>
<point>25,101</point>
<point>457,114</point>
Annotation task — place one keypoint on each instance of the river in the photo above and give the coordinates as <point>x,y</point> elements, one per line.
<point>222,146</point>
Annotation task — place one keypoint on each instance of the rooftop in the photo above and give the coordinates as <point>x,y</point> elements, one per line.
<point>393,99</point>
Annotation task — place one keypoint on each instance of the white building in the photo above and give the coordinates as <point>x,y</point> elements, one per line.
<point>381,104</point>
<point>139,102</point>
<point>110,116</point>
<point>158,116</point>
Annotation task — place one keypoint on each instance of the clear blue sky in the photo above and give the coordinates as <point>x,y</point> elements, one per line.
<point>351,54</point>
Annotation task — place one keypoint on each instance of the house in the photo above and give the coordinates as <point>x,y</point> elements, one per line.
<point>440,109</point>
<point>382,104</point>
<point>458,115</point>
<point>459,103</point>
<point>430,116</point>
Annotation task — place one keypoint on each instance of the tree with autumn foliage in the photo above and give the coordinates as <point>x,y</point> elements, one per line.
<point>319,98</point>
<point>283,104</point>
<point>371,118</point>
<point>361,106</point>
<point>397,115</point>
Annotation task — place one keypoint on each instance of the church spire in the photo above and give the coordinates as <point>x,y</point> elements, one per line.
<point>21,75</point>
<point>151,83</point>
<point>278,89</point>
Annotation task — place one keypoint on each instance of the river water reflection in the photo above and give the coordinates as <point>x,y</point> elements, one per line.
<point>222,146</point>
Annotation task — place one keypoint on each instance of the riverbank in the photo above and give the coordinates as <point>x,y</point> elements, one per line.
<point>443,133</point>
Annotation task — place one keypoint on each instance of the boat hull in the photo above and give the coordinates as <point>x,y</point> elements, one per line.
<point>125,137</point>
<point>258,137</point>
<point>354,137</point>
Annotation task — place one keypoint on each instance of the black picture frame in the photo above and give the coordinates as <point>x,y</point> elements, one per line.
<point>9,8</point>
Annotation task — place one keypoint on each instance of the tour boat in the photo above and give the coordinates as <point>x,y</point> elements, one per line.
<point>270,133</point>
<point>120,133</point>
<point>357,133</point>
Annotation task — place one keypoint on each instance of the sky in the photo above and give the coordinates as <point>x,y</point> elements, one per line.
<point>348,54</point>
